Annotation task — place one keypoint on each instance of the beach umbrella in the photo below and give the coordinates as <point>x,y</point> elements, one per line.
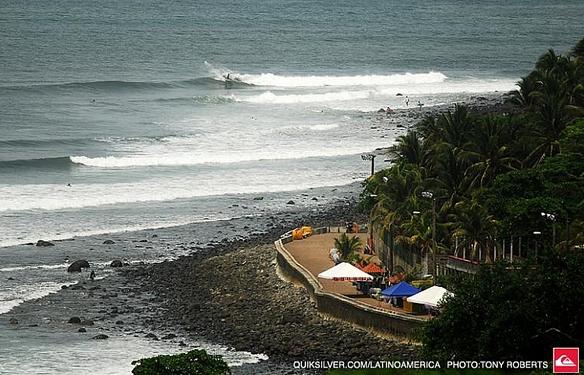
<point>431,296</point>
<point>400,290</point>
<point>345,272</point>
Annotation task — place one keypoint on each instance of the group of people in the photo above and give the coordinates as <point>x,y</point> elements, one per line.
<point>389,111</point>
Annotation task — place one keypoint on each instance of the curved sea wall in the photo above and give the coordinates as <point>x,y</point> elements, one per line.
<point>340,307</point>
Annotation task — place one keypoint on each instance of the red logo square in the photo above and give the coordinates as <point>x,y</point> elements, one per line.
<point>566,360</point>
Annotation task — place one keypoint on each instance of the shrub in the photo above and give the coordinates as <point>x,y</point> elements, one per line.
<point>195,362</point>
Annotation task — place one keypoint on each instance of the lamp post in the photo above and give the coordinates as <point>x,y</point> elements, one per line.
<point>552,218</point>
<point>536,233</point>
<point>430,195</point>
<point>372,158</point>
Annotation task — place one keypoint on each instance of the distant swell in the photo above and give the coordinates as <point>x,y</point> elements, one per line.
<point>45,163</point>
<point>112,86</point>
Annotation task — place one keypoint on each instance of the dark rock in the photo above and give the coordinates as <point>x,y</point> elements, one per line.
<point>78,265</point>
<point>120,322</point>
<point>44,243</point>
<point>81,330</point>
<point>290,202</point>
<point>64,287</point>
<point>109,242</point>
<point>170,336</point>
<point>75,320</point>
<point>151,336</point>
<point>116,263</point>
<point>315,199</point>
<point>101,336</point>
<point>258,198</point>
<point>13,321</point>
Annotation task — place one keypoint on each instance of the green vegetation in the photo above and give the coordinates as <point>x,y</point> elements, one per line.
<point>491,176</point>
<point>514,177</point>
<point>511,311</point>
<point>424,372</point>
<point>348,246</point>
<point>195,362</point>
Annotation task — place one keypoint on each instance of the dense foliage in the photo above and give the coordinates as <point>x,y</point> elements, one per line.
<point>511,311</point>
<point>195,362</point>
<point>517,174</point>
<point>348,246</point>
<point>491,176</point>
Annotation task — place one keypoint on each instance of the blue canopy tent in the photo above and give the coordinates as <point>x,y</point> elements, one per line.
<point>400,290</point>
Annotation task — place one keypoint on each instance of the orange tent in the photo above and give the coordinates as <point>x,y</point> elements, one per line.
<point>372,268</point>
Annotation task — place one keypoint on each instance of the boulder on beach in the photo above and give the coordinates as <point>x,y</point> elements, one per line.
<point>78,265</point>
<point>44,243</point>
<point>75,320</point>
<point>290,202</point>
<point>109,242</point>
<point>13,321</point>
<point>116,263</point>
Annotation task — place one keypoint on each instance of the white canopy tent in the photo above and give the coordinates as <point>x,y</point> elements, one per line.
<point>345,272</point>
<point>431,296</point>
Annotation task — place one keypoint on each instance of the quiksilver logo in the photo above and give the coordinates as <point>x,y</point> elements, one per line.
<point>564,360</point>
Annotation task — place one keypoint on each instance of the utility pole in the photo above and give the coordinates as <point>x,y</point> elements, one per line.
<point>551,217</point>
<point>430,195</point>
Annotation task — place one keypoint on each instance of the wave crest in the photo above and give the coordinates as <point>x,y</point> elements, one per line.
<point>269,79</point>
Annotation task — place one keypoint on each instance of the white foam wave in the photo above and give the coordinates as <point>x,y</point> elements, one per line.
<point>21,293</point>
<point>184,159</point>
<point>323,127</point>
<point>295,129</point>
<point>271,98</point>
<point>35,267</point>
<point>269,79</point>
<point>57,197</point>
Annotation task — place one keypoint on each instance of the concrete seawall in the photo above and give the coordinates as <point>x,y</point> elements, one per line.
<point>341,307</point>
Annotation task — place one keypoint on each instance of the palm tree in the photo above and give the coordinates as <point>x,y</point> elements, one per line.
<point>410,149</point>
<point>454,127</point>
<point>417,233</point>
<point>578,50</point>
<point>476,227</point>
<point>347,246</point>
<point>491,150</point>
<point>527,86</point>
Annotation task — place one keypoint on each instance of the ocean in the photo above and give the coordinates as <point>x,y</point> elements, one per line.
<point>118,116</point>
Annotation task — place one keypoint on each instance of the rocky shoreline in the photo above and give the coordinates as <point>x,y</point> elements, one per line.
<point>233,295</point>
<point>225,291</point>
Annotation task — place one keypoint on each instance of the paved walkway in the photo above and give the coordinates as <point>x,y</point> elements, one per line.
<point>313,254</point>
